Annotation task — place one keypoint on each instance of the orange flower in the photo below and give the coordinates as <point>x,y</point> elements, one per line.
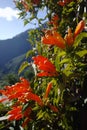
<point>31,96</point>
<point>15,110</point>
<point>69,38</point>
<point>52,107</point>
<point>26,115</point>
<point>79,28</point>
<point>54,39</point>
<point>22,92</point>
<point>54,21</point>
<point>26,122</point>
<point>61,3</point>
<point>55,17</point>
<point>48,69</point>
<point>25,5</point>
<point>64,2</point>
<point>49,86</point>
<point>27,112</point>
<point>18,90</point>
<point>36,2</point>
<point>15,113</point>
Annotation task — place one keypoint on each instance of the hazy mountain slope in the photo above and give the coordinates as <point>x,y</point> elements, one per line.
<point>14,47</point>
<point>12,66</point>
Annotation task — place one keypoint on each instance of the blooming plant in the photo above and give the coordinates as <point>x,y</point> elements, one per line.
<point>48,101</point>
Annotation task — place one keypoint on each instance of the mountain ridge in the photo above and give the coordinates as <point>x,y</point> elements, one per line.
<point>13,50</point>
<point>13,47</point>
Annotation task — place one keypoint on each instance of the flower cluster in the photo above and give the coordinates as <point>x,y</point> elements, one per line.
<point>15,113</point>
<point>54,38</point>
<point>48,69</point>
<point>54,21</point>
<point>27,5</point>
<point>22,93</point>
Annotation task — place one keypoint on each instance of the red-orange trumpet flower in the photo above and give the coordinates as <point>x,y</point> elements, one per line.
<point>54,39</point>
<point>22,92</point>
<point>69,37</point>
<point>15,113</point>
<point>64,2</point>
<point>79,28</point>
<point>49,86</point>
<point>46,67</point>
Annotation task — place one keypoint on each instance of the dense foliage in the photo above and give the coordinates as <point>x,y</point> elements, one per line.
<point>50,99</point>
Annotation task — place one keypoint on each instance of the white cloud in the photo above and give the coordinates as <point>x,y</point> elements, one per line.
<point>8,13</point>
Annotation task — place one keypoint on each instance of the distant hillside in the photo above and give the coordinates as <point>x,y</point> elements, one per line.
<point>12,53</point>
<point>12,66</point>
<point>14,47</point>
<point>9,72</point>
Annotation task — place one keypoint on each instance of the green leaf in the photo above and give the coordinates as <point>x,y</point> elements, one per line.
<point>57,60</point>
<point>23,66</point>
<point>81,53</point>
<point>26,106</point>
<point>62,53</point>
<point>2,126</point>
<point>59,54</point>
<point>73,109</point>
<point>79,38</point>
<point>65,60</point>
<point>29,53</point>
<point>26,21</point>
<point>40,114</point>
<point>68,70</point>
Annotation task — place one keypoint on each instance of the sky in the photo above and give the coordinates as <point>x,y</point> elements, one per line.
<point>10,24</point>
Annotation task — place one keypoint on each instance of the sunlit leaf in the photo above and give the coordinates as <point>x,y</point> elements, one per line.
<point>82,53</point>
<point>40,114</point>
<point>79,38</point>
<point>65,60</point>
<point>68,70</point>
<point>29,53</point>
<point>23,66</point>
<point>62,53</point>
<point>26,21</point>
<point>73,108</point>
